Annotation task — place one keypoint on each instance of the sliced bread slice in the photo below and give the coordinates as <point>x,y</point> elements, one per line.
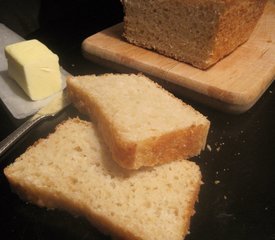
<point>142,124</point>
<point>72,170</point>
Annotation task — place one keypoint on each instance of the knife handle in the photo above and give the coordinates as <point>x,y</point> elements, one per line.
<point>18,133</point>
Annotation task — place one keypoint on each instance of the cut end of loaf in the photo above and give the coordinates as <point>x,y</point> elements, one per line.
<point>80,177</point>
<point>142,124</point>
<point>196,32</point>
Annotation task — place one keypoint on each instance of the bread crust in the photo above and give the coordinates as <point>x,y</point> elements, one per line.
<point>185,143</point>
<point>191,210</point>
<point>217,28</point>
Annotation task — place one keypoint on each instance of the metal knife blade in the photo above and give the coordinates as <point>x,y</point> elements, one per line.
<point>59,102</point>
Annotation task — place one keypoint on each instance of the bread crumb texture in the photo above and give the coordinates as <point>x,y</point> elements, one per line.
<point>72,170</point>
<point>142,123</point>
<point>198,32</point>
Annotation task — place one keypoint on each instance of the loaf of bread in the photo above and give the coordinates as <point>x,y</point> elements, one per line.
<point>142,124</point>
<point>72,170</point>
<point>199,32</point>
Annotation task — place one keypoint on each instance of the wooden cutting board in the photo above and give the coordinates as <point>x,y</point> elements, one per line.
<point>234,84</point>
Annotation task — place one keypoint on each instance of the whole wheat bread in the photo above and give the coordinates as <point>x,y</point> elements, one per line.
<point>199,32</point>
<point>142,124</point>
<point>72,170</point>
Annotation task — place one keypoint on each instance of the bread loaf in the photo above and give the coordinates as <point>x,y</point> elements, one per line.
<point>199,32</point>
<point>142,124</point>
<point>72,170</point>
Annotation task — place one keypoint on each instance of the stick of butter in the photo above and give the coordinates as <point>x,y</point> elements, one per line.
<point>34,67</point>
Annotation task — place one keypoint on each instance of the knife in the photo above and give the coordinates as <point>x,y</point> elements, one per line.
<point>59,102</point>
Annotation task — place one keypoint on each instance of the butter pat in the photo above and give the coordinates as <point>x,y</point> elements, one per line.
<point>35,68</point>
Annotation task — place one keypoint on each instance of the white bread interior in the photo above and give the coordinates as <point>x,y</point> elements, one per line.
<point>72,170</point>
<point>142,124</point>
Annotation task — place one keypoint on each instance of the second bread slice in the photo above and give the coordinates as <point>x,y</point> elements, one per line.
<point>143,124</point>
<point>72,170</point>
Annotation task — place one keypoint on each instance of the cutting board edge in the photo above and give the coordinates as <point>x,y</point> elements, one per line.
<point>180,91</point>
<point>235,102</point>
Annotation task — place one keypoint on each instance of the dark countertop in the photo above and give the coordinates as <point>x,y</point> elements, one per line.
<point>237,200</point>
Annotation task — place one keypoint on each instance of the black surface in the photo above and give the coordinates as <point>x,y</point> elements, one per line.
<point>237,198</point>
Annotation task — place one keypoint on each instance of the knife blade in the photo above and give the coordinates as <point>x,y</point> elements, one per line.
<point>58,103</point>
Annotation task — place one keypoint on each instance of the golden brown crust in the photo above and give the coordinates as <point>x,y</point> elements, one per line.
<point>183,143</point>
<point>233,31</point>
<point>180,144</point>
<point>122,152</point>
<point>232,24</point>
